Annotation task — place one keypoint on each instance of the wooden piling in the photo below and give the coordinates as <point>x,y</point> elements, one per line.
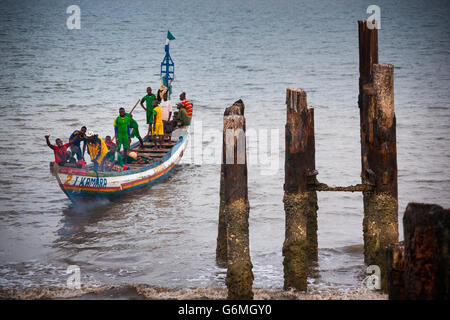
<point>221,249</point>
<point>378,151</point>
<point>427,258</point>
<point>395,266</point>
<point>236,207</point>
<point>368,55</point>
<point>300,204</point>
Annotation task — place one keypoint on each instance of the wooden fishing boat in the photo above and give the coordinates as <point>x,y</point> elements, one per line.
<point>82,184</point>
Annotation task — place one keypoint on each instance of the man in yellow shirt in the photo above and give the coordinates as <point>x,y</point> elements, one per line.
<point>158,125</point>
<point>97,149</point>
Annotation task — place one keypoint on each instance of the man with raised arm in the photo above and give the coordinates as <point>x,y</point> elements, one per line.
<point>60,150</point>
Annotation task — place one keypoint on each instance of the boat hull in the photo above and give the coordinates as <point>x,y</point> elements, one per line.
<point>78,184</point>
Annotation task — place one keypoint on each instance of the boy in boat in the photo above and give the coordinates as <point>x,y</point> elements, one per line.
<point>97,149</point>
<point>164,87</point>
<point>158,126</point>
<point>185,110</point>
<point>77,137</point>
<point>113,160</point>
<point>60,150</point>
<point>109,142</point>
<point>148,98</point>
<point>135,129</point>
<point>71,161</point>
<point>166,114</point>
<point>122,132</point>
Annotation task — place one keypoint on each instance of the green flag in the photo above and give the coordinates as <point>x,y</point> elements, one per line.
<point>170,36</point>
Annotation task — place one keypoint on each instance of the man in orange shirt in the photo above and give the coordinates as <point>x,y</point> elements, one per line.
<point>185,110</point>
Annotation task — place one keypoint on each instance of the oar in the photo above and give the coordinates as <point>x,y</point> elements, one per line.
<point>135,106</point>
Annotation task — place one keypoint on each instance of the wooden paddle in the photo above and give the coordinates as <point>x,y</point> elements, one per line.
<point>135,106</point>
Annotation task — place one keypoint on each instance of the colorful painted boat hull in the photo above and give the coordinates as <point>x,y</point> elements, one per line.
<point>78,184</point>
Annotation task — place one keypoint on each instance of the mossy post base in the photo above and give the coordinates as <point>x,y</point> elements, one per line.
<point>380,229</point>
<point>239,279</point>
<point>311,226</point>
<point>299,248</point>
<point>221,249</point>
<point>300,204</point>
<point>235,204</point>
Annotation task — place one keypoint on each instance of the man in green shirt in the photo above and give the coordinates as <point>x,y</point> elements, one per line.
<point>122,132</point>
<point>135,127</point>
<point>149,103</point>
<point>113,158</point>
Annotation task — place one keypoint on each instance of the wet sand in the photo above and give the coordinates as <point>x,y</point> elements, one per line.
<point>145,292</point>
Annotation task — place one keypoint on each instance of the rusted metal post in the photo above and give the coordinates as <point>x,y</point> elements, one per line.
<point>427,258</point>
<point>395,265</point>
<point>300,204</point>
<point>236,207</point>
<point>378,151</point>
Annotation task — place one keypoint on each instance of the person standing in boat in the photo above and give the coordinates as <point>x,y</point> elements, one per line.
<point>184,110</point>
<point>60,150</point>
<point>122,132</point>
<point>165,87</point>
<point>97,149</point>
<point>148,98</point>
<point>166,114</point>
<point>135,129</point>
<point>158,126</point>
<point>77,137</point>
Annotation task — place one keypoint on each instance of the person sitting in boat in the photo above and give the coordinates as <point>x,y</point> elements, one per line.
<point>77,137</point>
<point>184,110</point>
<point>97,149</point>
<point>132,156</point>
<point>158,126</point>
<point>60,150</point>
<point>134,129</point>
<point>109,142</point>
<point>113,160</point>
<point>122,132</point>
<point>71,161</point>
<point>166,115</point>
<point>148,98</point>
